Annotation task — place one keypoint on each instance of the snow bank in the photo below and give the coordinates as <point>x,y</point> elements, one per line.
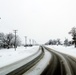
<point>40,66</point>
<point>9,56</point>
<point>70,50</point>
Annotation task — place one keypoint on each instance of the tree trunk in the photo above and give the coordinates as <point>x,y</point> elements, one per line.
<point>75,44</point>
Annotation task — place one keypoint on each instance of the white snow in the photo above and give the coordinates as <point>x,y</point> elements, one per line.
<point>9,56</point>
<point>40,66</point>
<point>70,50</point>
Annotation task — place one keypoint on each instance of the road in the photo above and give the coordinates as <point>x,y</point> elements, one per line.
<point>24,68</point>
<point>41,65</point>
<point>21,66</point>
<point>61,64</point>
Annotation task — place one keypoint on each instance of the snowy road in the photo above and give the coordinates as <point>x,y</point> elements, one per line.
<point>54,63</point>
<point>37,69</point>
<point>33,60</point>
<point>42,61</point>
<point>41,65</point>
<point>61,64</point>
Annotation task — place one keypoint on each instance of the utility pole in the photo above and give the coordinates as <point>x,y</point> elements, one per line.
<point>30,41</point>
<point>15,31</point>
<point>33,42</point>
<point>25,41</point>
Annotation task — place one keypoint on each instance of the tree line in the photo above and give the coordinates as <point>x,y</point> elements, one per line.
<point>8,40</point>
<point>53,42</point>
<point>66,41</point>
<point>58,42</point>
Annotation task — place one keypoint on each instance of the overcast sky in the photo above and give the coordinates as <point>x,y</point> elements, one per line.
<point>40,20</point>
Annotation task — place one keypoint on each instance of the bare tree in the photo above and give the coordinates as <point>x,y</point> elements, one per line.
<point>9,38</point>
<point>1,39</point>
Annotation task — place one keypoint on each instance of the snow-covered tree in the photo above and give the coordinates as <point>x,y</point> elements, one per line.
<point>18,41</point>
<point>54,42</point>
<point>73,33</point>
<point>50,42</point>
<point>2,39</point>
<point>9,38</point>
<point>66,42</point>
<point>58,42</point>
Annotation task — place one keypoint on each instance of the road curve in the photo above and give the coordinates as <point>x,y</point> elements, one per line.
<point>18,68</point>
<point>61,64</point>
<point>24,68</point>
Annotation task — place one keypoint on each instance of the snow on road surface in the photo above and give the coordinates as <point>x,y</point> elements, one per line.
<point>70,50</point>
<point>40,66</point>
<point>9,56</point>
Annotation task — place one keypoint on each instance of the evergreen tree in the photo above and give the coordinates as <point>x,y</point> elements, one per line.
<point>73,33</point>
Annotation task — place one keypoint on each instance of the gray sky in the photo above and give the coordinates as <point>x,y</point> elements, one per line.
<point>38,19</point>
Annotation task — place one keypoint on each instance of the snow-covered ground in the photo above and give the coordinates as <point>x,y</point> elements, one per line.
<point>70,50</point>
<point>40,66</point>
<point>9,56</point>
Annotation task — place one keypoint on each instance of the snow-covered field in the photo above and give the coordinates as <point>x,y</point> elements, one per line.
<point>70,50</point>
<point>9,56</point>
